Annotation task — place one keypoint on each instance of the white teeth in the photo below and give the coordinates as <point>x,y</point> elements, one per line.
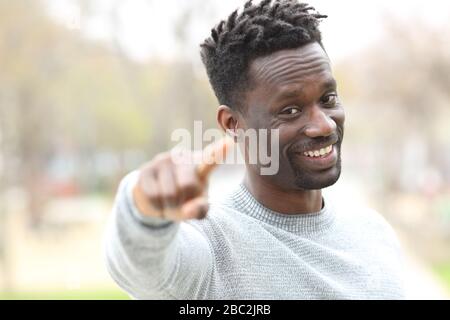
<point>319,153</point>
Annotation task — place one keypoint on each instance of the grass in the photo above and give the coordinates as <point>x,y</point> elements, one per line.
<point>443,272</point>
<point>66,295</point>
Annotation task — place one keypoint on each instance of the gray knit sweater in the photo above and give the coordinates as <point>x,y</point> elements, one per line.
<point>243,250</point>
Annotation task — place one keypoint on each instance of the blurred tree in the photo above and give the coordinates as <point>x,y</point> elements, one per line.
<point>396,93</point>
<point>26,69</point>
<point>402,84</point>
<point>64,96</point>
<point>57,88</point>
<point>182,92</point>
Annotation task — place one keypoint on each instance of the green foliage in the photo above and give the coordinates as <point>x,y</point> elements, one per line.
<point>443,272</point>
<point>94,294</point>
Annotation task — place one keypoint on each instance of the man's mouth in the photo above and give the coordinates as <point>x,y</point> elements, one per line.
<point>323,152</point>
<point>320,159</point>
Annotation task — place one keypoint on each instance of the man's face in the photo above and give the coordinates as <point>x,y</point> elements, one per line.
<point>295,92</point>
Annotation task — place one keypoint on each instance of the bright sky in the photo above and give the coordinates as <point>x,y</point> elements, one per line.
<point>145,26</point>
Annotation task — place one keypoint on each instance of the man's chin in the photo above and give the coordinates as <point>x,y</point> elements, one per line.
<point>318,181</point>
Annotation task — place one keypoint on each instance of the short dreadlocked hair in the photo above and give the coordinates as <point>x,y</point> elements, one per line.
<point>257,31</point>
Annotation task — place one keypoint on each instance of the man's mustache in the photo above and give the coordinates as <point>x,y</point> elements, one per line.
<point>309,144</point>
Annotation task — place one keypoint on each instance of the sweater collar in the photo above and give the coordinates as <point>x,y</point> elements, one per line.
<point>244,202</point>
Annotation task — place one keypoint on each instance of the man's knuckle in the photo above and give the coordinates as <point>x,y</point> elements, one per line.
<point>190,187</point>
<point>170,197</point>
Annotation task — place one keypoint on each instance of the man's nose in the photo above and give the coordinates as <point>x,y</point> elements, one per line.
<point>319,124</point>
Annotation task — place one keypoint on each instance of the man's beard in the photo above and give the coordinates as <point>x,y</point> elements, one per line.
<point>308,180</point>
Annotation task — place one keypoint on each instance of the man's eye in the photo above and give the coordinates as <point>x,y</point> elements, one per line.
<point>291,111</point>
<point>330,99</point>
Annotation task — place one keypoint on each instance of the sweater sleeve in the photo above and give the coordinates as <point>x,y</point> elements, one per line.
<point>152,258</point>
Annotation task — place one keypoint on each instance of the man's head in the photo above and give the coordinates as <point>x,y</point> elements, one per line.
<point>269,70</point>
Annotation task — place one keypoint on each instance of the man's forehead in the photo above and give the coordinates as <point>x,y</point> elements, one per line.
<point>291,64</point>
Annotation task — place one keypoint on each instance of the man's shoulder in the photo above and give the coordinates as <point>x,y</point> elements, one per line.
<point>368,220</point>
<point>379,221</point>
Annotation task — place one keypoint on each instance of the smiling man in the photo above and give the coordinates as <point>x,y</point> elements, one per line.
<point>275,236</point>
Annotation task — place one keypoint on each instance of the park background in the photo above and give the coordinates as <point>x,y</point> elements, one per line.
<point>91,89</point>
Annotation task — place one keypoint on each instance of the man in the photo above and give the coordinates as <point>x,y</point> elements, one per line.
<point>275,236</point>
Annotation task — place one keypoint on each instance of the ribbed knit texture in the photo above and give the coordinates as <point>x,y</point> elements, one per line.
<point>243,250</point>
<point>243,201</point>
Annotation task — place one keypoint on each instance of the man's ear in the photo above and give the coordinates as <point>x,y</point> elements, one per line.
<point>228,120</point>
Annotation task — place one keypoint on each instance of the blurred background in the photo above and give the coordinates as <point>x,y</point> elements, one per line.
<point>91,89</point>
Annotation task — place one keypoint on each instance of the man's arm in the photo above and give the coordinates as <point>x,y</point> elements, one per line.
<point>151,252</point>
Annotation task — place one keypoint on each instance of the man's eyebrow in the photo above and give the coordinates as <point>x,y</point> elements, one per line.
<point>288,94</point>
<point>329,84</point>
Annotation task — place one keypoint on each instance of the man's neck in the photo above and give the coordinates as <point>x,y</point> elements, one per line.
<point>282,201</point>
